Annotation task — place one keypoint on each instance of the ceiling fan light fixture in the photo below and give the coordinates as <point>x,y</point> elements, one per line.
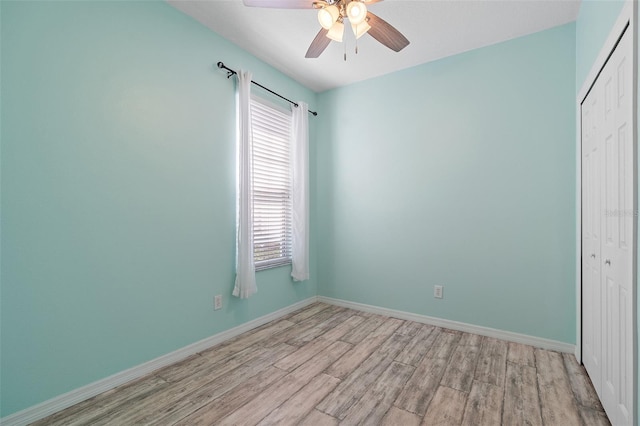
<point>328,16</point>
<point>360,29</point>
<point>356,12</point>
<point>336,32</point>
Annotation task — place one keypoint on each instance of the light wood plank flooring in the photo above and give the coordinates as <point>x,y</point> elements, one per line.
<point>327,365</point>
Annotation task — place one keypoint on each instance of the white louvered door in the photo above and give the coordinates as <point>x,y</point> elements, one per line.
<point>607,232</point>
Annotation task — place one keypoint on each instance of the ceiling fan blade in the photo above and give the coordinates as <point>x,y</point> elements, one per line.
<point>318,44</point>
<point>280,4</point>
<point>385,33</point>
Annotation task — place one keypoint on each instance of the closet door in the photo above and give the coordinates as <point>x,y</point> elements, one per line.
<point>591,224</point>
<point>617,233</point>
<point>608,229</point>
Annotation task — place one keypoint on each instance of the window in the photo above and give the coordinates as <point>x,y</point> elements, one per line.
<point>271,127</point>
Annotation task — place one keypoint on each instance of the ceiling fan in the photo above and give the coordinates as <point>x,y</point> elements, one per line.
<point>332,15</point>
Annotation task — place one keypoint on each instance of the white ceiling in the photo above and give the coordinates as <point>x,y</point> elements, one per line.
<point>436,29</point>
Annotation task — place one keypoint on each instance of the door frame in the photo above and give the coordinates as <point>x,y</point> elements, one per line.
<point>627,17</point>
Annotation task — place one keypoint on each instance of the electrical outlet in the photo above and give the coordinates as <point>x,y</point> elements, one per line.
<point>437,291</point>
<point>217,302</point>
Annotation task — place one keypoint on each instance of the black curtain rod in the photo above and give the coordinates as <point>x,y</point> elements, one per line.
<point>231,72</point>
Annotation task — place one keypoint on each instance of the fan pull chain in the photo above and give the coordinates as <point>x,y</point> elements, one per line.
<point>356,45</point>
<point>345,51</point>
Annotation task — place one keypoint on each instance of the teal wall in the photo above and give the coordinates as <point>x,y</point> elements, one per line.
<point>595,22</point>
<point>118,183</point>
<point>459,172</point>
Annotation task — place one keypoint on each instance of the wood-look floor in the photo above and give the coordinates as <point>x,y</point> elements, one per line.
<point>327,365</point>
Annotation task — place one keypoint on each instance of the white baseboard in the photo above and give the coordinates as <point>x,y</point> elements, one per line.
<point>75,396</point>
<point>538,342</point>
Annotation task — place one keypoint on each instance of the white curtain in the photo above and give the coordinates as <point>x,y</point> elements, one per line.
<point>300,192</point>
<point>245,269</point>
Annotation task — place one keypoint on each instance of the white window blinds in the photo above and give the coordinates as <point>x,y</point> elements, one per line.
<point>271,129</point>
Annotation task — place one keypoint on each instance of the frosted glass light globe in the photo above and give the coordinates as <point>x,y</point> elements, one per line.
<point>327,16</point>
<point>356,12</point>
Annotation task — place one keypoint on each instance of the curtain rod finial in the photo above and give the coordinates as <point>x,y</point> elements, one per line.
<point>230,72</point>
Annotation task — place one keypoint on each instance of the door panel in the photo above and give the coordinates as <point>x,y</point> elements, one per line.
<point>608,262</point>
<point>591,201</point>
